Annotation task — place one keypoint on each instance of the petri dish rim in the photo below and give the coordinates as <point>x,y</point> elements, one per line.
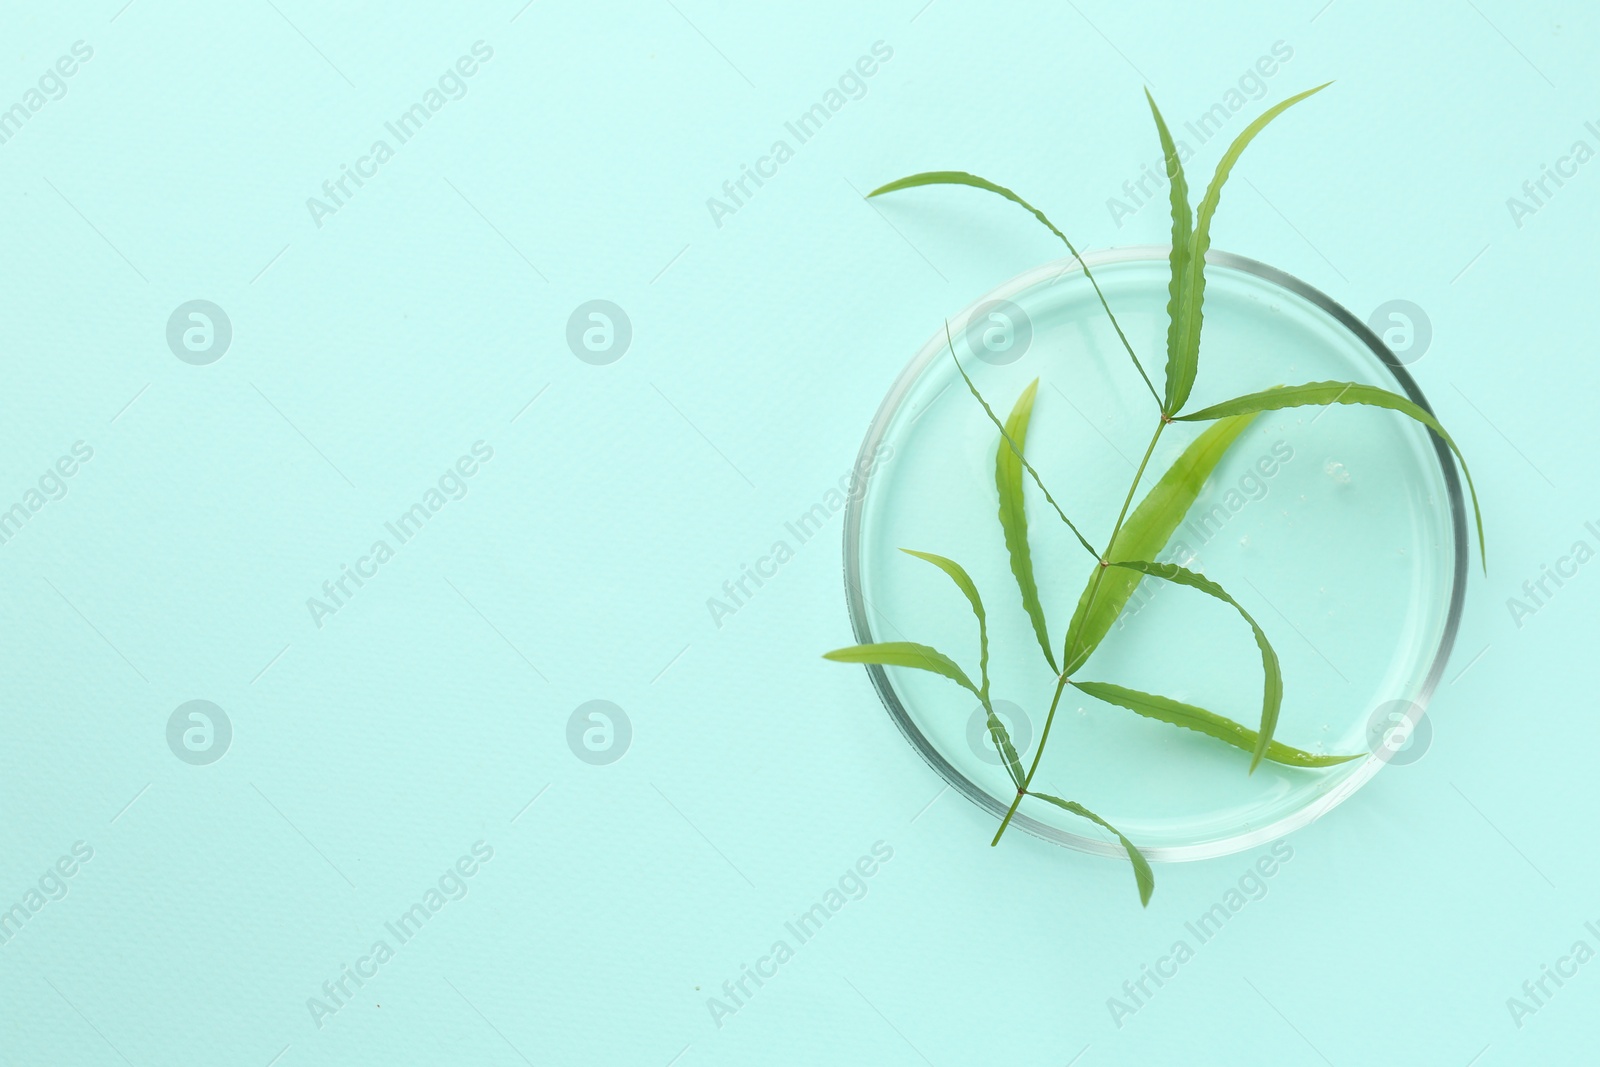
<point>976,794</point>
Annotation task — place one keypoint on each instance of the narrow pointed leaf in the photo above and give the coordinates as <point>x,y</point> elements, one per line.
<point>1181,258</point>
<point>1141,866</point>
<point>961,177</point>
<point>1272,686</point>
<point>997,729</point>
<point>1003,745</point>
<point>1014,514</point>
<point>905,654</point>
<point>1320,393</point>
<point>1190,717</point>
<point>1189,317</point>
<point>1016,448</point>
<point>964,583</point>
<point>1145,533</point>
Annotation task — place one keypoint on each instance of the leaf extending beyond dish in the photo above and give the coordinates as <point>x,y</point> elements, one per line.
<point>1141,866</point>
<point>961,177</point>
<point>1319,393</point>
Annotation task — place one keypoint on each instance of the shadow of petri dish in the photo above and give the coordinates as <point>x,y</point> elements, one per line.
<point>1341,529</point>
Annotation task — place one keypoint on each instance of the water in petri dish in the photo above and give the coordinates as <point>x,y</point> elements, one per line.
<point>1336,528</point>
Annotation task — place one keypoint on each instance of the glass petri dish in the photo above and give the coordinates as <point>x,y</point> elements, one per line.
<point>1342,530</point>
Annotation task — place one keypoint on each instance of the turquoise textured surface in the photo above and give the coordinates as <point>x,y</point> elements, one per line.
<point>399,398</point>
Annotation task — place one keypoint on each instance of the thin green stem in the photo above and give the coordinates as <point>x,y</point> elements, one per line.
<point>1087,273</point>
<point>982,183</point>
<point>1087,547</point>
<point>1068,648</point>
<point>1007,820</point>
<point>1022,787</point>
<point>1114,324</point>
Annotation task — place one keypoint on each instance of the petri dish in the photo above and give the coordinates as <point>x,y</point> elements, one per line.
<point>1342,530</point>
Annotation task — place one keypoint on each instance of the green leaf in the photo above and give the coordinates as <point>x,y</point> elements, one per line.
<point>1016,449</point>
<point>1014,514</point>
<point>1320,393</point>
<point>961,177</point>
<point>1188,320</point>
<point>1272,687</point>
<point>1181,258</point>
<point>1145,533</point>
<point>1141,866</point>
<point>905,654</point>
<point>997,729</point>
<point>1002,743</point>
<point>1212,725</point>
<point>964,583</point>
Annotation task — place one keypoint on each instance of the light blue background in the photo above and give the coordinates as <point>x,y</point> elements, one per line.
<point>368,354</point>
